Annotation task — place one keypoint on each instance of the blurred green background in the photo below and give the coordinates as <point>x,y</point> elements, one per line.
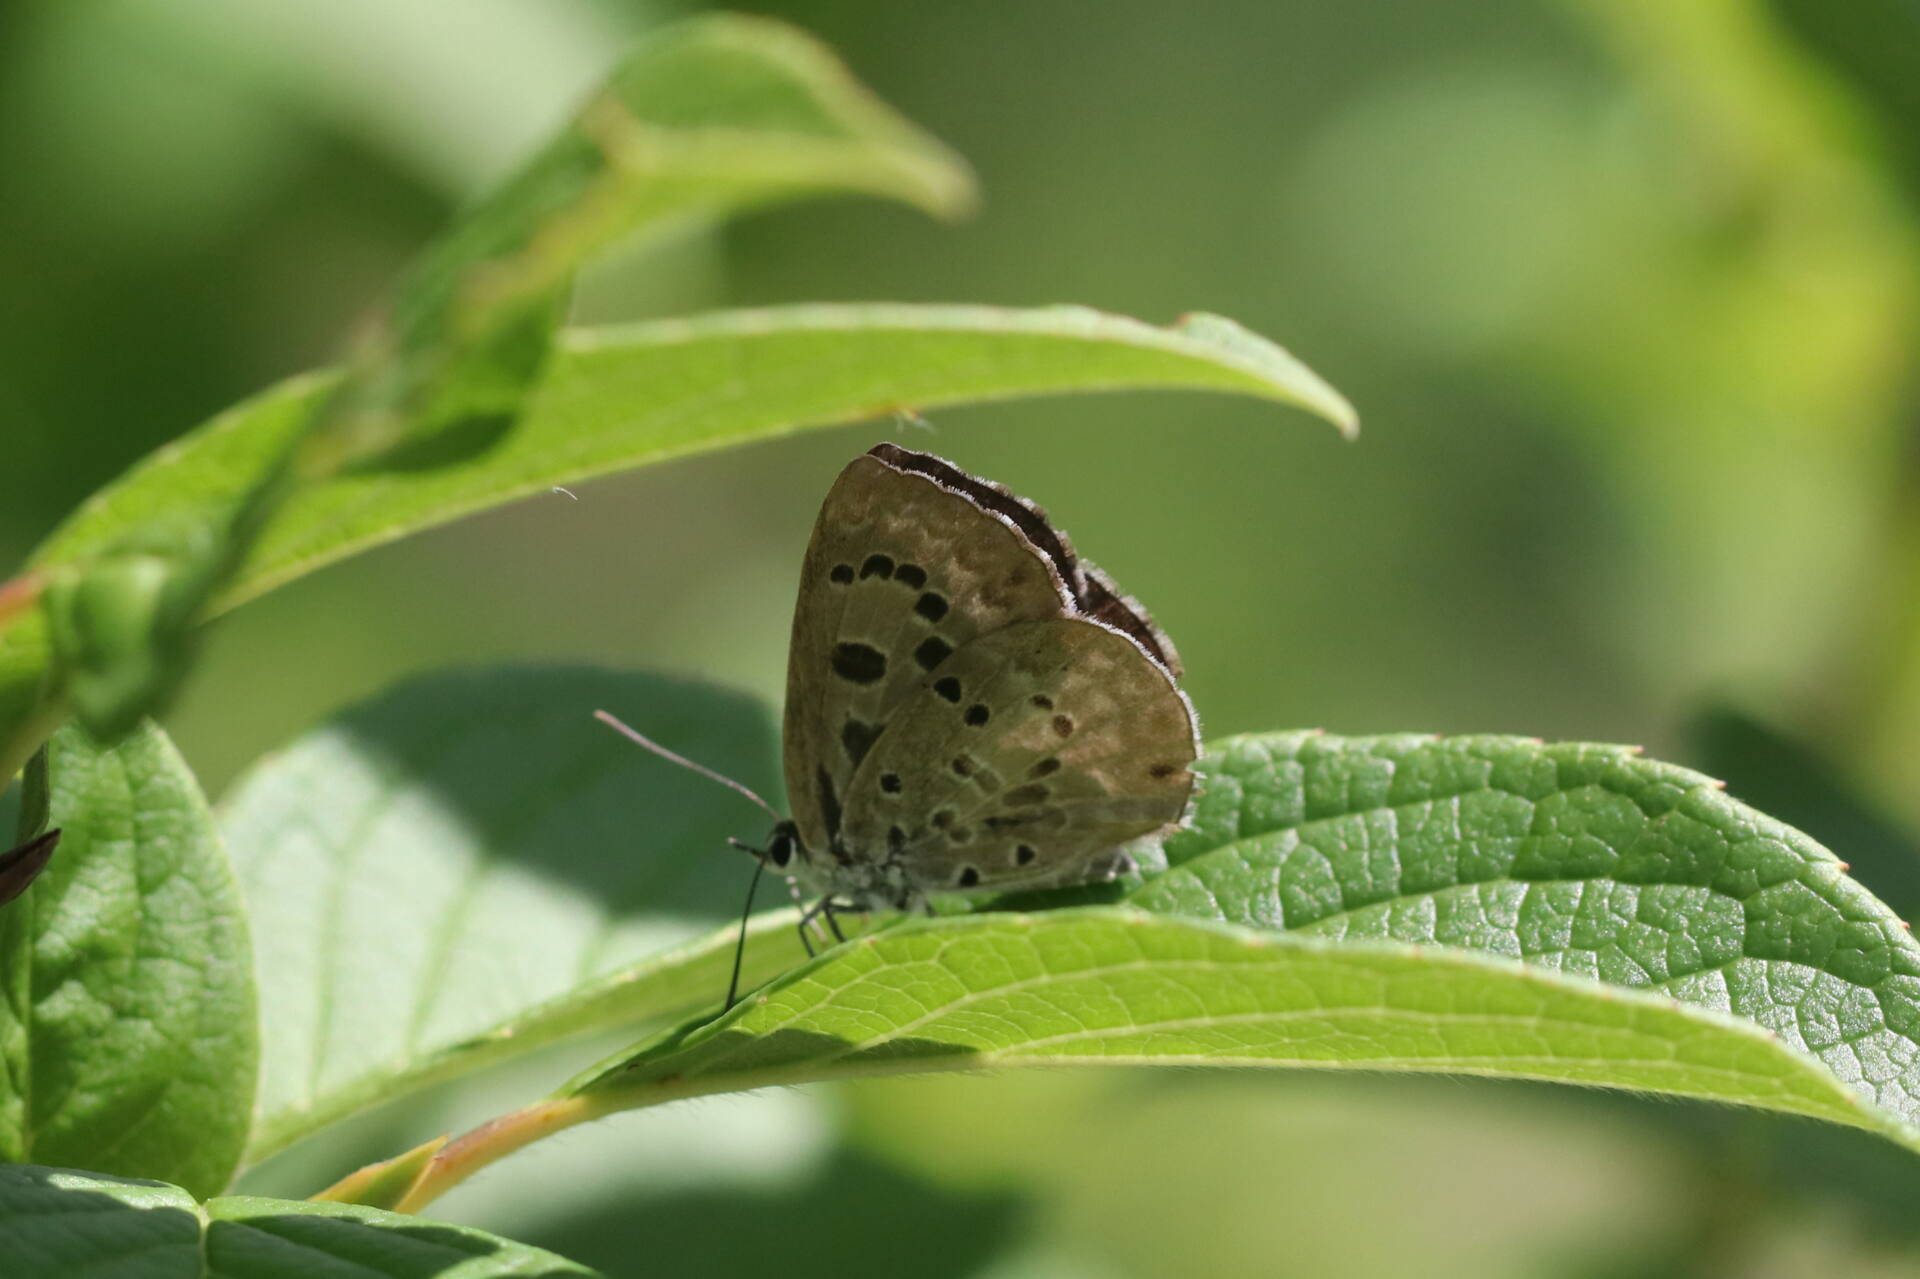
<point>1625,290</point>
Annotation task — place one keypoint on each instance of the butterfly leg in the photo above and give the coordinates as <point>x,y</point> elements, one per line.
<point>740,942</point>
<point>807,916</point>
<point>826,909</point>
<point>833,922</point>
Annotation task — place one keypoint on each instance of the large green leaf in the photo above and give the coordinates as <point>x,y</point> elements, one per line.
<point>1584,859</point>
<point>641,394</point>
<point>624,397</point>
<point>1115,986</point>
<point>469,867</point>
<point>1600,888</point>
<point>1636,928</point>
<point>128,1026</point>
<point>56,1223</point>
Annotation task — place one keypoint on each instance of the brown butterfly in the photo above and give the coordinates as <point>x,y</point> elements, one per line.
<point>969,705</point>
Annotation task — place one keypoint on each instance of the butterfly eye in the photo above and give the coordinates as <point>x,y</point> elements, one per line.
<point>780,848</point>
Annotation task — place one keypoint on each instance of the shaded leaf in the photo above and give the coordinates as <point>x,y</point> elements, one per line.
<point>55,1222</point>
<point>1874,45</point>
<point>469,866</point>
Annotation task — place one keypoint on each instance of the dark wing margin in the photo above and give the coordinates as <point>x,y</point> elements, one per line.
<point>1094,593</point>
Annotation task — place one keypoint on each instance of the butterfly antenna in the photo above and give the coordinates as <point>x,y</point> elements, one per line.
<point>740,942</point>
<point>640,739</point>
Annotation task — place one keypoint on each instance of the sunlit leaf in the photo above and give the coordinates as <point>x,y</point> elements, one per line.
<point>1115,986</point>
<point>128,1027</point>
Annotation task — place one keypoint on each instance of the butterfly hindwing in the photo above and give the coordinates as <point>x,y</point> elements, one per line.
<point>901,573</point>
<point>1032,752</point>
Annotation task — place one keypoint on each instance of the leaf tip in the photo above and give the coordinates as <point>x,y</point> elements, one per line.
<point>1273,364</point>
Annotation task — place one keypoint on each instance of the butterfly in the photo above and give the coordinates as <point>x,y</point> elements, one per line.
<point>970,706</point>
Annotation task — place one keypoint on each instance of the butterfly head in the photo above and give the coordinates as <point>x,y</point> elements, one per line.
<point>783,845</point>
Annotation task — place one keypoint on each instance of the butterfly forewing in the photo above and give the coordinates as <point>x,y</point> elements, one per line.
<point>901,574</point>
<point>1029,755</point>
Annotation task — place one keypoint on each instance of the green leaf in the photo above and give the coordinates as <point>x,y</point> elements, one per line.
<point>625,397</point>
<point>646,393</point>
<point>706,118</point>
<point>469,867</point>
<point>1869,46</point>
<point>1635,926</point>
<point>56,1223</point>
<point>122,624</point>
<point>1582,859</point>
<point>702,119</point>
<point>1115,986</point>
<point>128,1028</point>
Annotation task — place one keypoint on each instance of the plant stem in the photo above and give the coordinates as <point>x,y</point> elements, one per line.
<point>465,1155</point>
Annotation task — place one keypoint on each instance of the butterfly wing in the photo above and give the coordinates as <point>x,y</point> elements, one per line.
<point>1034,750</point>
<point>902,572</point>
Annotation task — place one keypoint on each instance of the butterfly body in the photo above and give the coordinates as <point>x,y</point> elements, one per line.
<point>969,705</point>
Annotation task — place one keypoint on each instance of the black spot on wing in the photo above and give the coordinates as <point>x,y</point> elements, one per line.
<point>932,651</point>
<point>977,715</point>
<point>967,877</point>
<point>948,688</point>
<point>1023,795</point>
<point>841,574</point>
<point>1044,768</point>
<point>890,783</point>
<point>877,565</point>
<point>931,606</point>
<point>857,738</point>
<point>1024,854</point>
<point>859,663</point>
<point>911,576</point>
